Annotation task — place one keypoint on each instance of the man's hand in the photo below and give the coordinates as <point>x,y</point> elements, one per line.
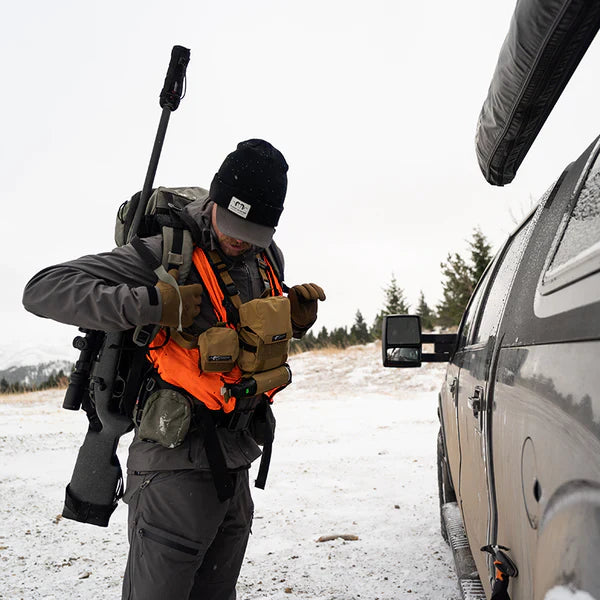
<point>191,297</point>
<point>303,304</point>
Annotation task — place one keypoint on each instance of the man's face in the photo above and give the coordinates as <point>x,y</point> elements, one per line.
<point>229,245</point>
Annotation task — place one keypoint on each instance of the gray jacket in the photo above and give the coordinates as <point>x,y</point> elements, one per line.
<point>109,292</point>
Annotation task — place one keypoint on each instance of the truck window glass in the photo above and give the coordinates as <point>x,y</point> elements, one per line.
<point>493,304</point>
<point>466,327</point>
<point>578,253</point>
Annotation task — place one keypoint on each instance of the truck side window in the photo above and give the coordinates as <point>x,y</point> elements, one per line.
<point>578,252</point>
<point>468,320</point>
<point>493,304</point>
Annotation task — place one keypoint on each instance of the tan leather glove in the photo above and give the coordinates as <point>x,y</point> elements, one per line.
<point>191,298</point>
<point>303,304</point>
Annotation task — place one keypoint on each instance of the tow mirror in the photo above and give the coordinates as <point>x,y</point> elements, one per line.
<point>401,342</point>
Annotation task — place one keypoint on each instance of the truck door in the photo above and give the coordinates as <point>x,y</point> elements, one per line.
<point>475,397</point>
<point>450,390</point>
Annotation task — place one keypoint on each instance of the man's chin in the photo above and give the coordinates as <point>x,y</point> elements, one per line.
<point>234,251</point>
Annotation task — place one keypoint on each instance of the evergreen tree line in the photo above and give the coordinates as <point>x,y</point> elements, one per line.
<point>459,278</point>
<point>57,379</point>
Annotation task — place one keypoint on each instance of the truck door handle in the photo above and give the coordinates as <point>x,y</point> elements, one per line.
<point>475,402</point>
<point>453,389</point>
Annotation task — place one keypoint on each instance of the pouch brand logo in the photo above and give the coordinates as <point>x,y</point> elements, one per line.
<point>239,208</point>
<point>279,337</point>
<point>219,357</point>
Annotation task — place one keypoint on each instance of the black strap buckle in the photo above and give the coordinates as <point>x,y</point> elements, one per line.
<point>231,289</point>
<point>261,263</point>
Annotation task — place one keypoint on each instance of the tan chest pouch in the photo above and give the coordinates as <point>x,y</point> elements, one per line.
<point>261,344</point>
<point>265,333</point>
<point>219,349</point>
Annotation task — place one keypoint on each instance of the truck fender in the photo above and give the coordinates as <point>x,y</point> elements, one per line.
<point>569,543</point>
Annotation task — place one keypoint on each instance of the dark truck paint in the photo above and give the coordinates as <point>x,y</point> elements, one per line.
<point>520,403</point>
<point>519,408</point>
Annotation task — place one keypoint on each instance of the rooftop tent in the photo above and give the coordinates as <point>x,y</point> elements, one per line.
<point>545,42</point>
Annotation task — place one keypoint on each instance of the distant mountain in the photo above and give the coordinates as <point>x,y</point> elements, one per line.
<point>33,364</point>
<point>27,353</point>
<point>36,374</point>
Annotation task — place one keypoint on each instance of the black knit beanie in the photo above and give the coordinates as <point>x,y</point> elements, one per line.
<point>251,184</point>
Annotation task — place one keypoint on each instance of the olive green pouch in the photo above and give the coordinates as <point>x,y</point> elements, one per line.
<point>219,348</point>
<point>166,418</point>
<point>265,333</point>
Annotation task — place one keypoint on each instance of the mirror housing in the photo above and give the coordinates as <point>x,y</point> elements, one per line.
<point>401,342</point>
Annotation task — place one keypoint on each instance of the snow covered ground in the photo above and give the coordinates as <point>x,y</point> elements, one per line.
<point>354,455</point>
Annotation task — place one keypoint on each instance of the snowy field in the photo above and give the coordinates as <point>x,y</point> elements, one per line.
<point>354,456</point>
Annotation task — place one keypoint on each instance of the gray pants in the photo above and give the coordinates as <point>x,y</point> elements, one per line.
<point>184,543</point>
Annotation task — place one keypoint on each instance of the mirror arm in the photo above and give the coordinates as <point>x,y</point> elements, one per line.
<point>444,344</point>
<point>438,338</point>
<point>441,357</point>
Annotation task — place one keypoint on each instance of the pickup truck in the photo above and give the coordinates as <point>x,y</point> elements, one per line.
<point>519,408</point>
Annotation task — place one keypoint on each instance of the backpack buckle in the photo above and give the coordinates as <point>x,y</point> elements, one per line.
<point>231,289</point>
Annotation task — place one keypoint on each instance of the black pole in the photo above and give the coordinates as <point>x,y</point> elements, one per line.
<point>170,97</point>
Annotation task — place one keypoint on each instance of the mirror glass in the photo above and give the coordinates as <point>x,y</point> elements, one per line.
<point>402,355</point>
<point>402,329</point>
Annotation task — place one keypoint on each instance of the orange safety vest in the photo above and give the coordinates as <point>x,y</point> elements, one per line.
<point>181,367</point>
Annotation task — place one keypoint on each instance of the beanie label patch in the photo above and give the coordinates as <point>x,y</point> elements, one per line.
<point>239,208</point>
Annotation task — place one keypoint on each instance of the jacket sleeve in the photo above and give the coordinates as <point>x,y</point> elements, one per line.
<point>277,256</point>
<point>112,291</point>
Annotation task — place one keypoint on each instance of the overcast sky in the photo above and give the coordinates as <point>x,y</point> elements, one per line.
<point>374,104</point>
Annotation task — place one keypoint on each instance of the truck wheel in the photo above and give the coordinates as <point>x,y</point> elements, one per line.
<point>445,489</point>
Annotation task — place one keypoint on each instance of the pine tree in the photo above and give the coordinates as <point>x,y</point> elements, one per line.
<point>359,333</point>
<point>426,314</point>
<point>395,304</point>
<point>481,254</point>
<point>339,337</point>
<point>457,289</point>
<point>461,278</point>
<point>323,338</point>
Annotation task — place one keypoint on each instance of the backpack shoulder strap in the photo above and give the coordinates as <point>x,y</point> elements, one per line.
<point>275,258</point>
<point>221,270</point>
<point>178,248</point>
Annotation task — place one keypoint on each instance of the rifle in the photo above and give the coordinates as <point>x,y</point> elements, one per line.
<point>105,380</point>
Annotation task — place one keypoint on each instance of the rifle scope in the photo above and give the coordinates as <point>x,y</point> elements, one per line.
<point>79,379</point>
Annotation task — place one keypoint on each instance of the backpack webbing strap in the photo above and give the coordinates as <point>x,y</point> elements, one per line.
<point>265,463</point>
<point>229,285</point>
<point>178,247</point>
<point>263,270</point>
<point>222,271</point>
<point>159,270</point>
<point>136,368</point>
<point>265,428</point>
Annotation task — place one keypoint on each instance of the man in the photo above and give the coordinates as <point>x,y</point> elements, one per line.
<point>190,508</point>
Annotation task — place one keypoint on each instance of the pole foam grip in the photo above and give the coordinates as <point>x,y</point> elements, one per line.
<point>172,91</point>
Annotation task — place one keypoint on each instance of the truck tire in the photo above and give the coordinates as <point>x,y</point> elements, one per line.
<point>445,489</point>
